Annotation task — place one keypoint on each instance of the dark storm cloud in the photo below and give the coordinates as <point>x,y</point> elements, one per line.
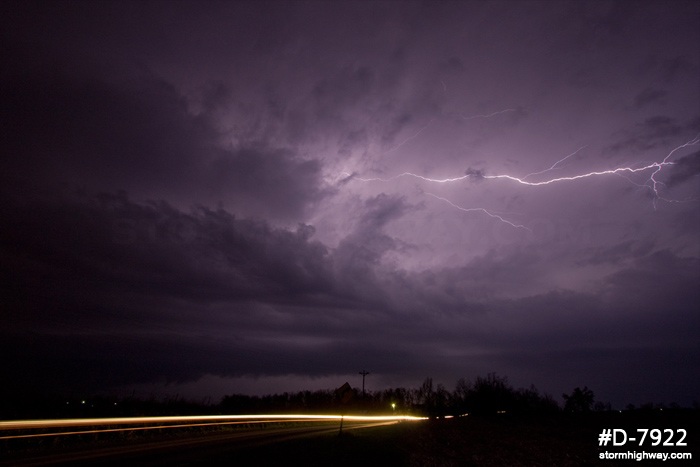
<point>359,254</point>
<point>668,279</point>
<point>273,180</point>
<point>684,169</point>
<point>129,276</point>
<point>346,88</point>
<point>617,253</point>
<point>650,133</point>
<point>203,255</point>
<point>84,273</point>
<point>648,96</point>
<point>163,164</point>
<point>486,277</point>
<point>644,310</point>
<point>452,65</point>
<point>364,89</point>
<point>475,174</point>
<point>105,281</point>
<point>139,135</point>
<point>672,68</point>
<point>92,362</point>
<point>84,128</point>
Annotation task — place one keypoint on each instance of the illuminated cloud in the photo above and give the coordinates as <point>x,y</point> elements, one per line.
<point>292,192</point>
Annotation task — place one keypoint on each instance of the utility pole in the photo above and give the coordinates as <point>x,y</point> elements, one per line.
<point>363,373</point>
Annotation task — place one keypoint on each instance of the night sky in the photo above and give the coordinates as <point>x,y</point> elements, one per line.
<point>255,197</point>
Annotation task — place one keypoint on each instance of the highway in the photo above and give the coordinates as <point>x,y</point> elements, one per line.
<point>165,440</point>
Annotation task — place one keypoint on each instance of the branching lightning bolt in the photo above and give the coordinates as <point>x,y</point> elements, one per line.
<point>488,213</point>
<point>415,135</point>
<point>487,115</point>
<point>655,167</point>
<point>652,183</point>
<point>554,166</point>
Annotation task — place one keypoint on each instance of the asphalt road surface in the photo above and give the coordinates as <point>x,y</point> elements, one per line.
<point>239,447</point>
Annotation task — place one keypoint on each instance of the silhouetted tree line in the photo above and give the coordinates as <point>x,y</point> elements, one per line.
<point>489,395</point>
<point>484,396</point>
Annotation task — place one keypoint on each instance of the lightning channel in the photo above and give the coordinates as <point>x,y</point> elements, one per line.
<point>486,115</point>
<point>653,183</point>
<point>415,135</point>
<point>554,166</point>
<point>485,211</point>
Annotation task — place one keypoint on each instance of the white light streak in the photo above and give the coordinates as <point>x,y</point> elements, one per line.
<point>73,422</point>
<point>487,115</point>
<point>415,135</point>
<point>554,166</point>
<point>488,213</point>
<point>652,182</point>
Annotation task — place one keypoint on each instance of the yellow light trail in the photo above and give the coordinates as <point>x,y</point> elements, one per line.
<point>74,422</point>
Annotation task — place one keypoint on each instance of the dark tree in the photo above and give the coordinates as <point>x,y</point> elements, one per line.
<point>581,400</point>
<point>426,397</point>
<point>492,394</point>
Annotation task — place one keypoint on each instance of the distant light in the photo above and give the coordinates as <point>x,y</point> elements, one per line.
<point>82,402</point>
